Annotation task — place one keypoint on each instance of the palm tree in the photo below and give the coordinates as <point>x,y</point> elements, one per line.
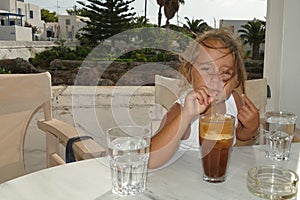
<point>170,9</point>
<point>161,4</point>
<point>254,33</point>
<point>196,26</point>
<point>140,22</point>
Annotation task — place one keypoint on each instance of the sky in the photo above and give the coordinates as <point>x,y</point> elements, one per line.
<point>211,11</point>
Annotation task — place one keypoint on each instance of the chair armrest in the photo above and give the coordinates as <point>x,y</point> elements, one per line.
<point>63,131</point>
<point>297,135</point>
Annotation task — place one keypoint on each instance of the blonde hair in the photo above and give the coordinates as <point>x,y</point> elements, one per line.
<point>225,36</point>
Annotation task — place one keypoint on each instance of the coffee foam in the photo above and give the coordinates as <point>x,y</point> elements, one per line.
<point>217,136</point>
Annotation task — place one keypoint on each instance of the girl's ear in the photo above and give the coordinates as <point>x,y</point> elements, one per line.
<point>236,81</point>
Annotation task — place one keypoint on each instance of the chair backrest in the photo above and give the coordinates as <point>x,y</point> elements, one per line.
<point>167,90</point>
<point>21,95</point>
<point>256,90</point>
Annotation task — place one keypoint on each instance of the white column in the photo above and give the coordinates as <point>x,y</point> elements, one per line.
<point>45,32</point>
<point>282,54</point>
<point>273,50</point>
<point>290,75</point>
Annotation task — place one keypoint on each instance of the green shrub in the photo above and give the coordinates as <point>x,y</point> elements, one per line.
<point>254,67</point>
<point>4,71</point>
<point>140,57</point>
<point>43,59</point>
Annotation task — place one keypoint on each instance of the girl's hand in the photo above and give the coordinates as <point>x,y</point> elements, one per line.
<point>197,101</point>
<point>248,115</point>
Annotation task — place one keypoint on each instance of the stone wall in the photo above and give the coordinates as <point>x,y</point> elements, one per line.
<point>23,49</point>
<point>108,74</point>
<point>71,72</point>
<point>101,73</point>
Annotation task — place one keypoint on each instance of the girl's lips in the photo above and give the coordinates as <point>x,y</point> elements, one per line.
<point>214,92</point>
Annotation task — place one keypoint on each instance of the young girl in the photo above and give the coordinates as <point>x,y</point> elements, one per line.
<point>214,71</point>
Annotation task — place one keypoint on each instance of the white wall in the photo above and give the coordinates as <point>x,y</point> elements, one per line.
<point>15,33</point>
<point>13,5</point>
<point>5,5</point>
<point>75,25</point>
<point>282,67</point>
<point>290,81</point>
<point>36,20</point>
<point>23,49</point>
<point>23,33</point>
<point>237,25</point>
<point>64,28</point>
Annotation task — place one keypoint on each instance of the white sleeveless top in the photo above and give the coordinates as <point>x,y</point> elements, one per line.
<point>192,142</point>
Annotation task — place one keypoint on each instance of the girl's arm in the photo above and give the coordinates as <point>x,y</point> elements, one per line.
<point>174,126</point>
<point>165,143</point>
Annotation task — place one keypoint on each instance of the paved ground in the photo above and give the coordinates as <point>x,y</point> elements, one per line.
<point>93,111</point>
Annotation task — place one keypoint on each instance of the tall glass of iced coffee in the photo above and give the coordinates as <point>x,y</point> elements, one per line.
<point>216,134</point>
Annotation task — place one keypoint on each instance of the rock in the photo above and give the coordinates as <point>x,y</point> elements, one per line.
<point>56,64</point>
<point>70,72</point>
<point>87,76</point>
<point>18,66</point>
<point>106,82</point>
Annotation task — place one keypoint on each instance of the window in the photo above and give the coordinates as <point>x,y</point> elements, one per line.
<point>70,35</point>
<point>231,29</point>
<point>50,34</point>
<point>68,22</point>
<point>2,22</point>
<point>19,11</point>
<point>31,14</point>
<point>12,23</point>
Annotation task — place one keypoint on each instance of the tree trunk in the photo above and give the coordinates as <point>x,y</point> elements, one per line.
<point>255,51</point>
<point>159,16</point>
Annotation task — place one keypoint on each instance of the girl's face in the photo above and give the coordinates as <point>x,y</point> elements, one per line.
<point>214,69</point>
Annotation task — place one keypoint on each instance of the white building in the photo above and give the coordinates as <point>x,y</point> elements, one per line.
<point>70,25</point>
<point>67,27</point>
<point>235,26</point>
<point>13,16</point>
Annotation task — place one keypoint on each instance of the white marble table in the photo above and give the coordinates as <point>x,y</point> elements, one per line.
<point>90,179</point>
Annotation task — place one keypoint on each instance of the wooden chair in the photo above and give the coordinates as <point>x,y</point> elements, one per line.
<point>21,96</point>
<point>256,90</point>
<point>167,90</point>
<point>296,137</point>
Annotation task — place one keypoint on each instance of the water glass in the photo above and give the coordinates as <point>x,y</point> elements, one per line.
<point>279,131</point>
<point>128,153</point>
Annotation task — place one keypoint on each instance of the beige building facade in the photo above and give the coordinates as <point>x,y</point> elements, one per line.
<point>67,27</point>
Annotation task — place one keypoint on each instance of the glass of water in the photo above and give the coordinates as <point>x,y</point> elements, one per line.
<point>128,152</point>
<point>279,131</point>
